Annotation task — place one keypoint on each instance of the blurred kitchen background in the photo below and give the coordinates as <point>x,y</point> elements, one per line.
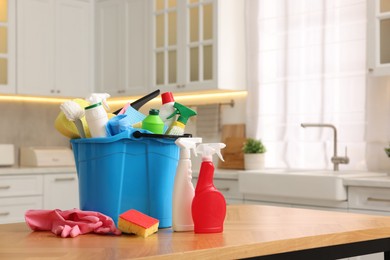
<point>58,49</point>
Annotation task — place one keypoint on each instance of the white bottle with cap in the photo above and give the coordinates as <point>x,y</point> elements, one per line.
<point>96,115</point>
<point>167,109</point>
<point>183,190</point>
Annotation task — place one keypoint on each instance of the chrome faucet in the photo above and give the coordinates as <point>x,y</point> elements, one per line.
<point>336,160</point>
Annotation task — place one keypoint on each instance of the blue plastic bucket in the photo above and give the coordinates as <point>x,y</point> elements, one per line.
<point>122,172</point>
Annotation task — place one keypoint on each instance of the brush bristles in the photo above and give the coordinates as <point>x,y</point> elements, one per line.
<point>176,130</point>
<point>72,110</point>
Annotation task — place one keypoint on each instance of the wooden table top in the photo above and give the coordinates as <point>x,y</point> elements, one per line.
<point>249,230</point>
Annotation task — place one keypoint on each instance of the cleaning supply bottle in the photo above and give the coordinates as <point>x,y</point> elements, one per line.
<point>209,205</point>
<point>183,190</point>
<point>95,98</point>
<point>177,127</point>
<point>96,115</point>
<point>167,109</point>
<point>153,122</point>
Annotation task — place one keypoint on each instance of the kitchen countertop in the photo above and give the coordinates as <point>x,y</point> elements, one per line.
<point>377,182</point>
<point>35,170</point>
<point>249,230</point>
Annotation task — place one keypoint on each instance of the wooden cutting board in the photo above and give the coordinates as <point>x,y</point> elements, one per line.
<point>235,130</point>
<point>234,137</point>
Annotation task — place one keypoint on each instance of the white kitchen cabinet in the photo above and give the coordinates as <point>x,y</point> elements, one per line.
<point>38,190</point>
<point>378,37</point>
<point>54,47</point>
<point>372,201</point>
<point>18,194</point>
<point>121,43</point>
<point>7,46</point>
<point>197,45</point>
<point>61,191</point>
<point>13,209</point>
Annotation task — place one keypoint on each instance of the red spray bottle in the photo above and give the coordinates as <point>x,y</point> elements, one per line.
<point>209,205</point>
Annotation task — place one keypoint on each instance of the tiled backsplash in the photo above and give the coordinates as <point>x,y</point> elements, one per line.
<point>32,124</point>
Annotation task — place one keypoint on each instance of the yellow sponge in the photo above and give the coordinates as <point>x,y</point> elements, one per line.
<point>135,222</point>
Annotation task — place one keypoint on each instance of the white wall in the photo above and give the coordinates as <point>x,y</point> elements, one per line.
<point>378,123</point>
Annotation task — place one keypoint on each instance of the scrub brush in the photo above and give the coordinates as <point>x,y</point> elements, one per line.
<point>74,113</point>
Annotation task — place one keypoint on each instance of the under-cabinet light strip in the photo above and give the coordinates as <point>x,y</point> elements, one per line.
<point>193,98</point>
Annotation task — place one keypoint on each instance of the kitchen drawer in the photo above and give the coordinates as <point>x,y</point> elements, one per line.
<point>229,188</point>
<point>13,209</point>
<point>369,198</point>
<point>20,185</point>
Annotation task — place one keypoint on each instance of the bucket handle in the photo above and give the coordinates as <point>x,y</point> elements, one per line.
<point>138,134</point>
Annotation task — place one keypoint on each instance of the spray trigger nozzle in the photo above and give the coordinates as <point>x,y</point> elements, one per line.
<point>95,98</point>
<point>187,144</point>
<point>184,113</point>
<point>207,150</point>
<point>173,114</point>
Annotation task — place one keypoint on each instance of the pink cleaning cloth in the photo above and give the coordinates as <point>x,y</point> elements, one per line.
<point>70,223</point>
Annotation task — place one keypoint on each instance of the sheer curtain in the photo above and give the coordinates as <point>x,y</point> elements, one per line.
<point>307,64</point>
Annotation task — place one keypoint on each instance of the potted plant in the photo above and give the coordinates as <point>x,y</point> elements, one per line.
<point>387,151</point>
<point>253,154</point>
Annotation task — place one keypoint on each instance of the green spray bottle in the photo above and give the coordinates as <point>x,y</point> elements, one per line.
<point>177,127</point>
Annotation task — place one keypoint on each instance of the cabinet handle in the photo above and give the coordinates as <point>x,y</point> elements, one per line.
<point>377,199</point>
<point>6,187</point>
<point>65,179</point>
<point>52,91</point>
<point>370,70</point>
<point>4,213</point>
<point>224,189</point>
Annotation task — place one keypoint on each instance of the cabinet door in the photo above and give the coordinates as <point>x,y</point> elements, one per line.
<point>73,48</point>
<point>54,47</point>
<point>121,40</point>
<point>200,58</point>
<point>7,46</point>
<point>110,47</point>
<point>35,35</point>
<point>184,45</point>
<point>135,53</point>
<point>61,191</point>
<point>378,37</point>
<point>198,45</point>
<point>166,27</point>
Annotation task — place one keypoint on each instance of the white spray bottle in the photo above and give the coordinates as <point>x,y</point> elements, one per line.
<point>183,190</point>
<point>96,115</point>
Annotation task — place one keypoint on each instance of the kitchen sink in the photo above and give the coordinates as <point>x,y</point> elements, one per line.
<point>304,184</point>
